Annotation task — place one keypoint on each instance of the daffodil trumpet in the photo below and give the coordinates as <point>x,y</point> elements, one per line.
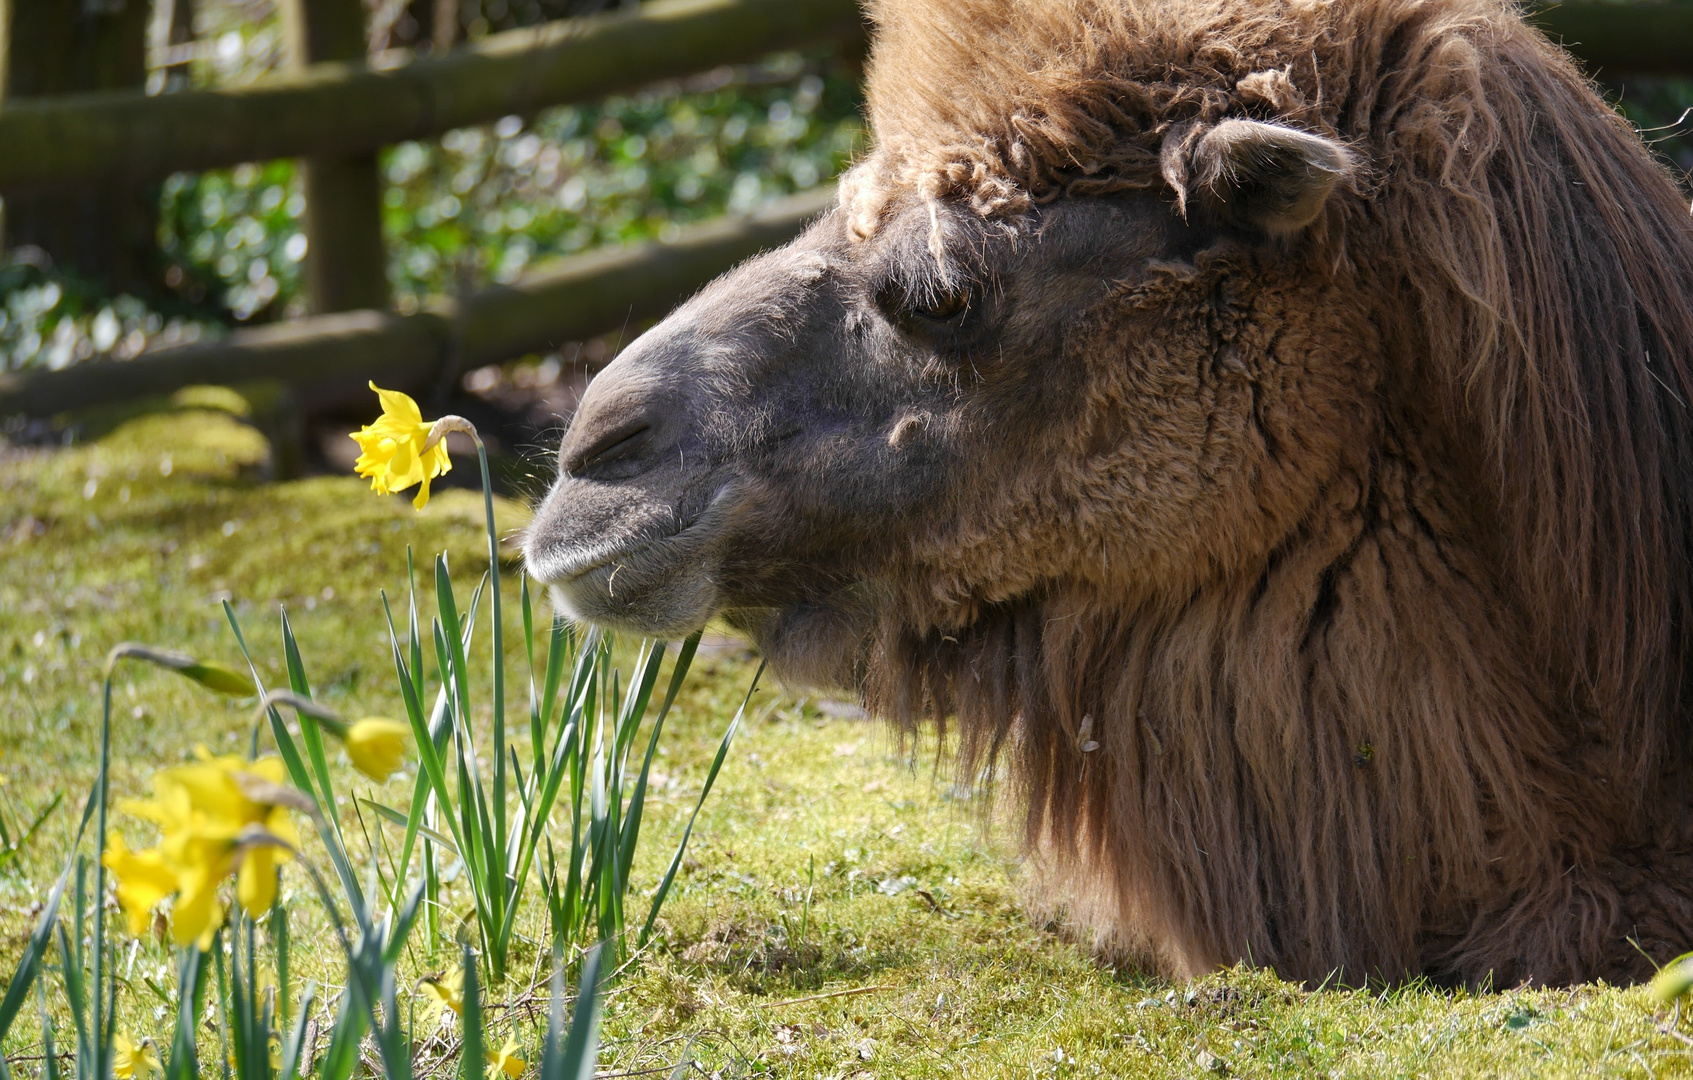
<point>156,879</point>
<point>224,817</point>
<point>506,1063</point>
<point>130,1058</point>
<point>445,990</point>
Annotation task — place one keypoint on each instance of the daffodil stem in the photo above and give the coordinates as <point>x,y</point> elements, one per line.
<point>323,894</point>
<point>303,707</point>
<point>100,789</point>
<point>499,674</point>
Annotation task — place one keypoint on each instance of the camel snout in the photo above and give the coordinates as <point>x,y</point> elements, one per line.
<point>625,537</point>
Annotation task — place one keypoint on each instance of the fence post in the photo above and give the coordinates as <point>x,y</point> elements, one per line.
<point>346,265</point>
<point>176,19</point>
<point>105,230</point>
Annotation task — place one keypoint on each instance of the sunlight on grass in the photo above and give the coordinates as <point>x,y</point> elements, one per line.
<point>842,909</point>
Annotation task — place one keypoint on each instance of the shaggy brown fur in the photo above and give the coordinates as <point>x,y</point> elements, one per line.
<point>1261,428</point>
<point>1444,729</point>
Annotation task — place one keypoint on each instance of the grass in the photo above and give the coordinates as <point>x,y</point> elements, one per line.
<point>842,912</point>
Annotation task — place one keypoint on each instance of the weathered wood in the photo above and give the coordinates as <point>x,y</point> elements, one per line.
<point>591,294</point>
<point>344,108</point>
<point>107,231</point>
<point>444,25</point>
<point>176,17</point>
<point>346,263</point>
<point>319,30</point>
<point>66,46</point>
<point>576,298</point>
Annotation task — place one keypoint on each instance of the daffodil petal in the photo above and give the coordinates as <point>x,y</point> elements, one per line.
<point>398,404</point>
<point>255,882</point>
<point>143,880</point>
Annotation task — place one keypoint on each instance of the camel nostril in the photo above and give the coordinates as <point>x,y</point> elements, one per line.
<point>618,445</point>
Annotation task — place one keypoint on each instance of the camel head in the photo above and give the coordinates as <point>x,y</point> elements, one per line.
<point>1260,431</point>
<point>921,412</point>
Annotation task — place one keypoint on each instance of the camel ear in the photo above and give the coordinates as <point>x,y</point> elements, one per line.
<point>1267,176</point>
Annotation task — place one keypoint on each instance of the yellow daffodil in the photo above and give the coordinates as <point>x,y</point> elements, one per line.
<point>143,880</point>
<point>1673,979</point>
<point>506,1061</point>
<point>446,991</point>
<point>134,1061</point>
<point>392,450</point>
<point>211,827</point>
<point>377,746</point>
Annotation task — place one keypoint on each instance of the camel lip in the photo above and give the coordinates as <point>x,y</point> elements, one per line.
<point>575,564</point>
<point>624,552</point>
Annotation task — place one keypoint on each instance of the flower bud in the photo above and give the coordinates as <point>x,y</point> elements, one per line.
<point>377,746</point>
<point>1673,980</point>
<point>212,676</point>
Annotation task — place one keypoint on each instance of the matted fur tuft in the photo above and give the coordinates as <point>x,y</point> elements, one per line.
<point>1533,268</point>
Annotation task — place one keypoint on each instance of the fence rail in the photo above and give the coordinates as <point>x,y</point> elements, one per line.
<point>575,299</point>
<point>340,108</point>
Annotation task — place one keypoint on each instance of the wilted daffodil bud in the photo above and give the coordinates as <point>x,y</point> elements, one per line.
<point>212,676</point>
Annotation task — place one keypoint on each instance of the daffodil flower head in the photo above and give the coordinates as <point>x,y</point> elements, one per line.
<point>134,1061</point>
<point>211,827</point>
<point>445,991</point>
<point>506,1062</point>
<point>394,454</point>
<point>376,746</point>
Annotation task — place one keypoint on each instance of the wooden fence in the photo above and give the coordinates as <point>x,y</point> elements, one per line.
<point>340,112</point>
<point>574,299</point>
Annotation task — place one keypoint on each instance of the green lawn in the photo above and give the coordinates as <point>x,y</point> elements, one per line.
<point>845,909</point>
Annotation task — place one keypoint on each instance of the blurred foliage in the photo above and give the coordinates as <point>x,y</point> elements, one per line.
<point>482,204</point>
<point>233,239</point>
<point>486,202</point>
<point>479,205</point>
<point>50,319</point>
<point>236,42</point>
<point>1660,108</point>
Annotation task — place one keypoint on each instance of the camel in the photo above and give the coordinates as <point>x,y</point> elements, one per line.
<point>1259,433</point>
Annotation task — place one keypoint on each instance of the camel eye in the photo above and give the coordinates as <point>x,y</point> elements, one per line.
<point>943,308</point>
<point>926,312</point>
